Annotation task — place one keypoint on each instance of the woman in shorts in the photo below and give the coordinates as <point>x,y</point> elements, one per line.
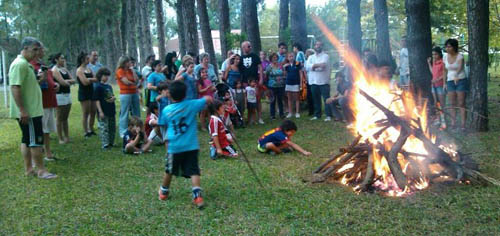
<point>63,95</point>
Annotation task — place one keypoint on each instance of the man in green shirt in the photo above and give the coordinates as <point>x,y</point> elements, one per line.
<point>26,106</point>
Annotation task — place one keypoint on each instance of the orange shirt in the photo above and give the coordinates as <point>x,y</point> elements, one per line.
<point>126,89</point>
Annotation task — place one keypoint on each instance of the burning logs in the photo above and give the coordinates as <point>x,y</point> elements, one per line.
<point>370,163</point>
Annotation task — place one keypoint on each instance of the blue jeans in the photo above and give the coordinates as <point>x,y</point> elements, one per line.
<point>319,91</point>
<point>278,95</point>
<point>340,109</point>
<point>404,80</point>
<point>128,102</point>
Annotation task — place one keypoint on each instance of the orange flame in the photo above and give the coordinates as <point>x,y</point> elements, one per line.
<point>366,116</point>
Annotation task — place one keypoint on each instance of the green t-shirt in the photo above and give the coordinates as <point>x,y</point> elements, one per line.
<point>21,73</point>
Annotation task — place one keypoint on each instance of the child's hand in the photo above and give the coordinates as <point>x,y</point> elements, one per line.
<point>101,115</point>
<point>307,153</point>
<point>219,151</point>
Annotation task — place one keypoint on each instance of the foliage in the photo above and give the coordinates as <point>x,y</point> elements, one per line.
<point>107,192</point>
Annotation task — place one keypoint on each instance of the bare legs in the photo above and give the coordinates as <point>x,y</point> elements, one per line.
<point>62,123</point>
<point>46,145</point>
<point>93,112</point>
<point>457,99</point>
<point>33,154</point>
<point>293,97</point>
<point>195,180</point>
<point>86,107</point>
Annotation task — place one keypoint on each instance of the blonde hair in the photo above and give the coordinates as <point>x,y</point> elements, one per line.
<point>122,61</point>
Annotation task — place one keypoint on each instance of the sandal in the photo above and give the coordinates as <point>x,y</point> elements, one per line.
<point>47,175</point>
<point>52,158</point>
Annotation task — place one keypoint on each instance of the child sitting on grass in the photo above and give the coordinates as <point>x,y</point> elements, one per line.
<point>277,140</point>
<point>135,140</point>
<point>221,138</point>
<point>182,142</point>
<point>151,125</point>
<point>105,103</point>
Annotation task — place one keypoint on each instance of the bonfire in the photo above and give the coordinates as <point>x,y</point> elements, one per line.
<point>394,152</point>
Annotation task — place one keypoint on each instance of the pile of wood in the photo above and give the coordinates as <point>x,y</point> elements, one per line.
<point>353,165</point>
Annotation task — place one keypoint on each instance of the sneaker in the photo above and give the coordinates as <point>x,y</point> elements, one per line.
<point>261,122</point>
<point>198,202</point>
<point>273,118</point>
<point>87,135</point>
<point>289,115</point>
<point>314,118</point>
<point>328,119</point>
<point>162,195</point>
<point>92,133</point>
<point>297,115</point>
<point>213,153</point>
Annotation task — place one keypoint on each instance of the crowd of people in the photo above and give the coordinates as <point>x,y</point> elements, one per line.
<point>177,94</point>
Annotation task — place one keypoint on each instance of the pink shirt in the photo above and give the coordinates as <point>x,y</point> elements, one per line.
<point>205,84</point>
<point>438,71</point>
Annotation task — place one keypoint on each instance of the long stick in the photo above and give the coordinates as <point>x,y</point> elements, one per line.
<point>245,157</point>
<point>4,79</point>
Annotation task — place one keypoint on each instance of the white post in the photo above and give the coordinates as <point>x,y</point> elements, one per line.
<point>4,80</point>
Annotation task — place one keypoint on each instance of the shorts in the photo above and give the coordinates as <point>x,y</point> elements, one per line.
<point>251,105</point>
<point>183,164</point>
<point>63,99</point>
<point>48,121</point>
<point>438,90</point>
<point>157,140</point>
<point>292,88</point>
<point>460,86</point>
<point>32,132</point>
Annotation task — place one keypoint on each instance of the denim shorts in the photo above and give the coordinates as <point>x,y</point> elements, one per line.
<point>438,90</point>
<point>460,86</point>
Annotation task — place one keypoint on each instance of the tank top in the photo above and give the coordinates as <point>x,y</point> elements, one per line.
<point>232,76</point>
<point>62,88</point>
<point>454,67</point>
<point>85,92</point>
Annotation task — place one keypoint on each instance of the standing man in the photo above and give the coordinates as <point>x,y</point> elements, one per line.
<point>94,64</point>
<point>250,69</point>
<point>26,106</point>
<point>319,79</point>
<point>404,66</point>
<point>282,50</point>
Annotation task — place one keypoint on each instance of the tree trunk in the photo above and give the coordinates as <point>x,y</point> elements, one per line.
<point>419,46</point>
<point>190,25</point>
<point>382,22</point>
<point>160,24</point>
<point>478,23</point>
<point>354,33</point>
<point>131,29</point>
<point>298,22</point>
<point>252,24</point>
<point>146,30</point>
<point>284,16</point>
<point>111,45</point>
<point>206,32</point>
<point>123,28</point>
<point>140,35</point>
<point>181,32</point>
<point>243,18</point>
<point>224,27</point>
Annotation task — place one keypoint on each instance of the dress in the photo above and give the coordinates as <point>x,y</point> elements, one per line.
<point>85,92</point>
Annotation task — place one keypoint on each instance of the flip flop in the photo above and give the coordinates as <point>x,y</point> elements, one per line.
<point>47,176</point>
<point>53,158</point>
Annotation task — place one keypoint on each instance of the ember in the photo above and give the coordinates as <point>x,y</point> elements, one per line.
<point>394,152</point>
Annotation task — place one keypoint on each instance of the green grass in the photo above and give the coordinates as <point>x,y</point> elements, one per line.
<point>107,192</point>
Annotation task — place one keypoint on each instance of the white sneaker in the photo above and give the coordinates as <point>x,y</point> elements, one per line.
<point>297,115</point>
<point>261,121</point>
<point>289,115</point>
<point>314,118</point>
<point>328,119</point>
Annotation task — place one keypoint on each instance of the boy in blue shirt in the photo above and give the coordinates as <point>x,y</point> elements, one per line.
<point>277,140</point>
<point>179,118</point>
<point>105,103</point>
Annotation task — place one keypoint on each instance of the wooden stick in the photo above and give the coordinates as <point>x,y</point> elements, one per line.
<point>392,160</point>
<point>342,152</point>
<point>368,180</point>
<point>340,163</point>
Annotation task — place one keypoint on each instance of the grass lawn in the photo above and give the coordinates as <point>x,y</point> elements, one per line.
<point>106,192</point>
